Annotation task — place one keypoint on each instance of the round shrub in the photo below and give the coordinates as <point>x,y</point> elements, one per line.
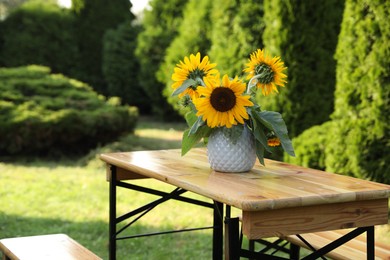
<point>42,112</point>
<point>310,147</point>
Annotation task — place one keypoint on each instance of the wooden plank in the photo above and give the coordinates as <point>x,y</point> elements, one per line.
<point>56,246</point>
<point>122,174</point>
<point>300,220</point>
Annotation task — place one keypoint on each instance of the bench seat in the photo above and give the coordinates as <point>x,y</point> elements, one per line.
<point>353,249</point>
<point>45,247</point>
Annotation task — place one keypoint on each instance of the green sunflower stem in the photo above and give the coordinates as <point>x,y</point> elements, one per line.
<point>186,84</point>
<point>200,81</point>
<point>250,84</point>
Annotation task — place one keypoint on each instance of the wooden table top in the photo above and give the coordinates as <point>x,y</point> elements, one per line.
<point>278,185</point>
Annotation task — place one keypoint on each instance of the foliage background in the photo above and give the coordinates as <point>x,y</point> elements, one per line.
<point>339,93</point>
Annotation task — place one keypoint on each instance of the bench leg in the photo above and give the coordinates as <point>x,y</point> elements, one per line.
<point>251,246</point>
<point>294,251</point>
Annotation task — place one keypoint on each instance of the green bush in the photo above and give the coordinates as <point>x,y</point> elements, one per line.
<point>42,112</point>
<point>310,147</point>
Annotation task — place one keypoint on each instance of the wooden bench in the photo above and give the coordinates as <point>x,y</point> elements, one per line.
<point>353,249</point>
<point>45,247</point>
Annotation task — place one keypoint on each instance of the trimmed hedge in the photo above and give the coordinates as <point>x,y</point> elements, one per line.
<point>42,112</point>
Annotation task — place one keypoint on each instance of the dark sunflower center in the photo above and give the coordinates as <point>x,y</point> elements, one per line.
<point>266,72</point>
<point>223,99</point>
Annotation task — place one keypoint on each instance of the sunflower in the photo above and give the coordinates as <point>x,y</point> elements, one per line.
<point>221,103</point>
<point>269,71</point>
<point>192,68</point>
<point>274,141</point>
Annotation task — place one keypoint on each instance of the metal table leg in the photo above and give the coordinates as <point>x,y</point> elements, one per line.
<point>370,243</point>
<point>112,216</point>
<point>232,236</point>
<point>141,211</point>
<point>218,231</point>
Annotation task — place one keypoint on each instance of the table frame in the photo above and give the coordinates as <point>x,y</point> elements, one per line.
<point>141,211</point>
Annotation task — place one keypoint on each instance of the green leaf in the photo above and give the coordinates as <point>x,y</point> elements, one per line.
<point>186,84</point>
<point>191,118</point>
<point>195,126</point>
<point>190,140</point>
<point>258,130</point>
<point>260,151</point>
<point>275,122</point>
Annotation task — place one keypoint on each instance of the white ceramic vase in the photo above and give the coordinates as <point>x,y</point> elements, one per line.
<point>226,156</point>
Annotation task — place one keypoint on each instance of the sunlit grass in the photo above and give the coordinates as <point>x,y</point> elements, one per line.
<point>71,196</point>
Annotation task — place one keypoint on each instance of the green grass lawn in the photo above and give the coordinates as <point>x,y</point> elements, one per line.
<point>39,196</point>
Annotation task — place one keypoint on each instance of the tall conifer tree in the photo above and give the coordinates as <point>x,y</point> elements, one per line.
<point>121,67</point>
<point>356,140</point>
<point>304,34</point>
<point>95,17</point>
<point>160,26</point>
<point>237,31</point>
<point>360,145</point>
<point>193,37</point>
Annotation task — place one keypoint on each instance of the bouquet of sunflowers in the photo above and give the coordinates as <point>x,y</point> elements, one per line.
<point>222,102</point>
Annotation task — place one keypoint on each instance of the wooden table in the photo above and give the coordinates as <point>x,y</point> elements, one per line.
<point>275,200</point>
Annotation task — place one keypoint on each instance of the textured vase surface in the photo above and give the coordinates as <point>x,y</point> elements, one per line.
<point>226,156</point>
